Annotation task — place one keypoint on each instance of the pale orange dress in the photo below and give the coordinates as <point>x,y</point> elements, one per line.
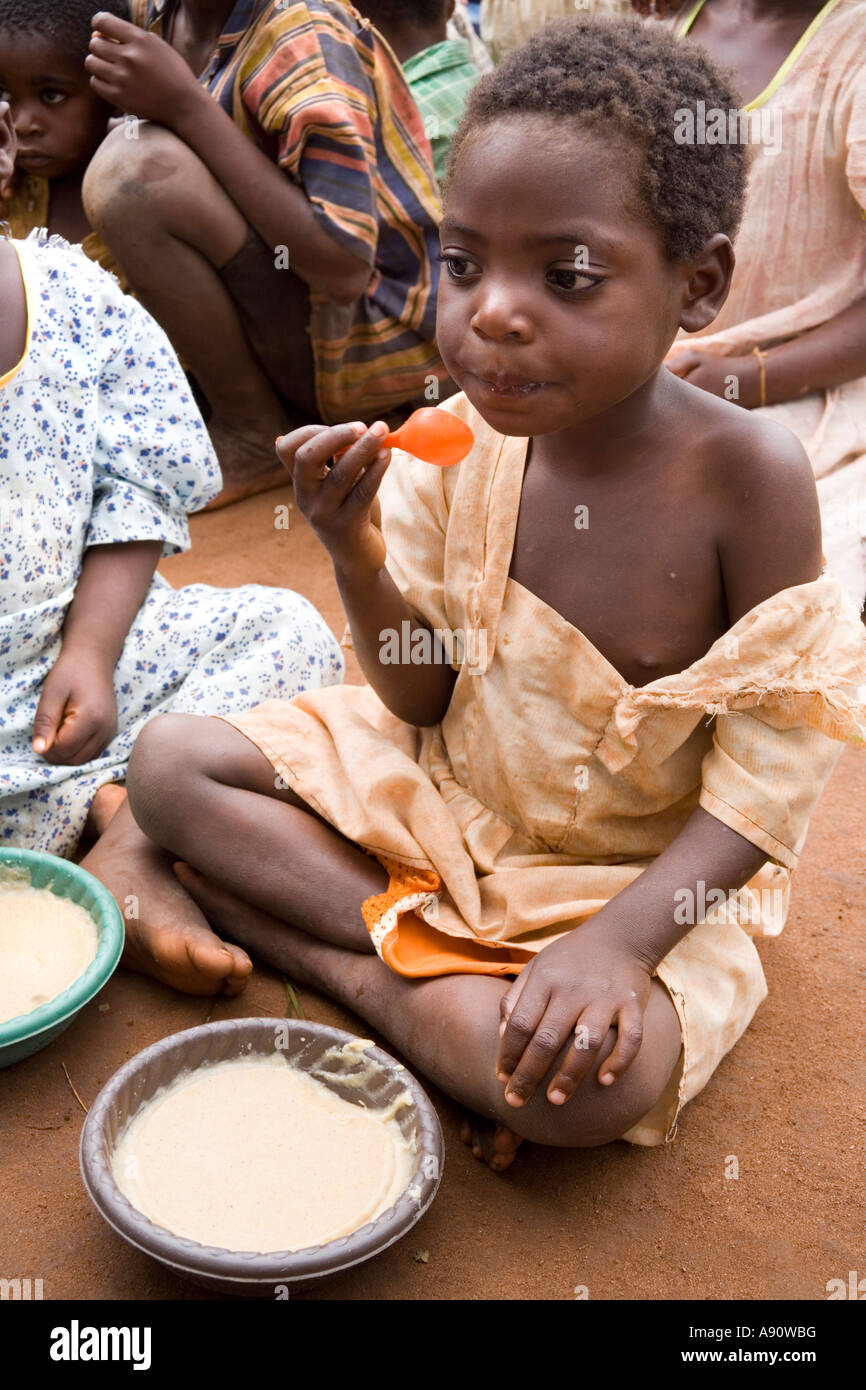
<point>552,782</point>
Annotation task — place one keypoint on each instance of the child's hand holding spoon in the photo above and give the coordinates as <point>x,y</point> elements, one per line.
<point>338,497</point>
<point>336,471</point>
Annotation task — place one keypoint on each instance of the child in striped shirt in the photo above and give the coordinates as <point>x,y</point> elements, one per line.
<point>277,213</point>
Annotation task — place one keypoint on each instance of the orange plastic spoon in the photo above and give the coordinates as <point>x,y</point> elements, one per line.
<point>435,436</point>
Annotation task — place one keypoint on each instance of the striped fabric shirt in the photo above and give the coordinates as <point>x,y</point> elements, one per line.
<point>314,86</point>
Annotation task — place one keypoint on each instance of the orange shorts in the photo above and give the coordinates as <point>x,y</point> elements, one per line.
<point>413,947</point>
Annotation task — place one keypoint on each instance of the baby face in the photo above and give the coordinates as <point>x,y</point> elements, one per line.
<point>59,121</point>
<point>556,299</point>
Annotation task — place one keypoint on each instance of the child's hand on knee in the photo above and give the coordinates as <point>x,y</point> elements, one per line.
<point>76,717</point>
<point>338,495</point>
<point>574,991</point>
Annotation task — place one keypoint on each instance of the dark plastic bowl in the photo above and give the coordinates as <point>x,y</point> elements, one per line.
<point>244,1273</point>
<point>27,1033</point>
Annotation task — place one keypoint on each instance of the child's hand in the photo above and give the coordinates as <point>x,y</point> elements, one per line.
<point>735,379</point>
<point>138,72</point>
<point>339,503</point>
<point>76,717</point>
<point>576,989</point>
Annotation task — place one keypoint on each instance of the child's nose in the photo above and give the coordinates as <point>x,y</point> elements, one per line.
<point>25,118</point>
<point>500,319</point>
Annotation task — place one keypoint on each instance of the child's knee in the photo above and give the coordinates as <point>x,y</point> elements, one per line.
<point>165,764</point>
<point>125,173</point>
<point>597,1114</point>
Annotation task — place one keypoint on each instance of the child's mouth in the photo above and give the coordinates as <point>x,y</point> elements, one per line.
<point>511,390</point>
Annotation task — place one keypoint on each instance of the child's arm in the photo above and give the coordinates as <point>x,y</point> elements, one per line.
<point>140,73</point>
<point>77,714</point>
<point>599,975</point>
<point>341,506</point>
<point>829,355</point>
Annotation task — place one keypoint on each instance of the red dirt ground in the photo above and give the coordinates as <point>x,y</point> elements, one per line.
<point>625,1222</point>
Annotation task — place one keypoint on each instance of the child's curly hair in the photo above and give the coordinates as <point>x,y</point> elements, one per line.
<point>65,21</point>
<point>630,79</point>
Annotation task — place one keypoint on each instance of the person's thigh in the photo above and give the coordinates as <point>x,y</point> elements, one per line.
<point>174,753</point>
<point>157,179</point>
<point>448,1027</point>
<point>598,1114</point>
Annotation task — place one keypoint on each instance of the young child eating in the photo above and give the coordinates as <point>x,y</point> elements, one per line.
<point>102,454</point>
<point>58,116</point>
<point>607,797</point>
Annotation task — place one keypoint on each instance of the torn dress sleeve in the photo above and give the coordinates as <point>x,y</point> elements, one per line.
<point>765,782</point>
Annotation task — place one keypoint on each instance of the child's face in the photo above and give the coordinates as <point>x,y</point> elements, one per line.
<point>557,301</point>
<point>58,119</point>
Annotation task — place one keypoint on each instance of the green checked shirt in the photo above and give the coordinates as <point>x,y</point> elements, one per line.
<point>440,79</point>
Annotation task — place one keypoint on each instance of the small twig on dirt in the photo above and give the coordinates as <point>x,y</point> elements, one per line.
<point>43,1126</point>
<point>72,1088</point>
<point>292,1001</point>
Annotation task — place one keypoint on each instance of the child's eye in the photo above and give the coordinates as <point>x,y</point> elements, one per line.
<point>458,266</point>
<point>571,279</point>
<point>52,97</point>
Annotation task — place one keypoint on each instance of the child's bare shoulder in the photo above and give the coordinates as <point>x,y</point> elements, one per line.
<point>760,480</point>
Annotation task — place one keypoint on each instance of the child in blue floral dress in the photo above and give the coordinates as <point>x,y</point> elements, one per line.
<point>102,455</point>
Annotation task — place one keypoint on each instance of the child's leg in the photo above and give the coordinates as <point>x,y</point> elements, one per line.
<point>172,227</point>
<point>166,934</point>
<point>201,789</point>
<point>448,1028</point>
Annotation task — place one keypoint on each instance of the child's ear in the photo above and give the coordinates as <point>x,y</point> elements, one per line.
<point>8,148</point>
<point>707,284</point>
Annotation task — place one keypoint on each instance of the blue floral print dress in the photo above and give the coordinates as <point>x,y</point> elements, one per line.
<point>101,442</point>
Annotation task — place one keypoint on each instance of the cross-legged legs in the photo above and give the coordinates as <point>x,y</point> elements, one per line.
<point>275,877</point>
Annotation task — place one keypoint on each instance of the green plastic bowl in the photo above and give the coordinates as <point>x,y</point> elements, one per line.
<point>21,1036</point>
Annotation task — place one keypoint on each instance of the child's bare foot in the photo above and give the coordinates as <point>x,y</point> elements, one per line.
<point>104,806</point>
<point>278,944</point>
<point>166,935</point>
<point>491,1143</point>
<point>247,460</point>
